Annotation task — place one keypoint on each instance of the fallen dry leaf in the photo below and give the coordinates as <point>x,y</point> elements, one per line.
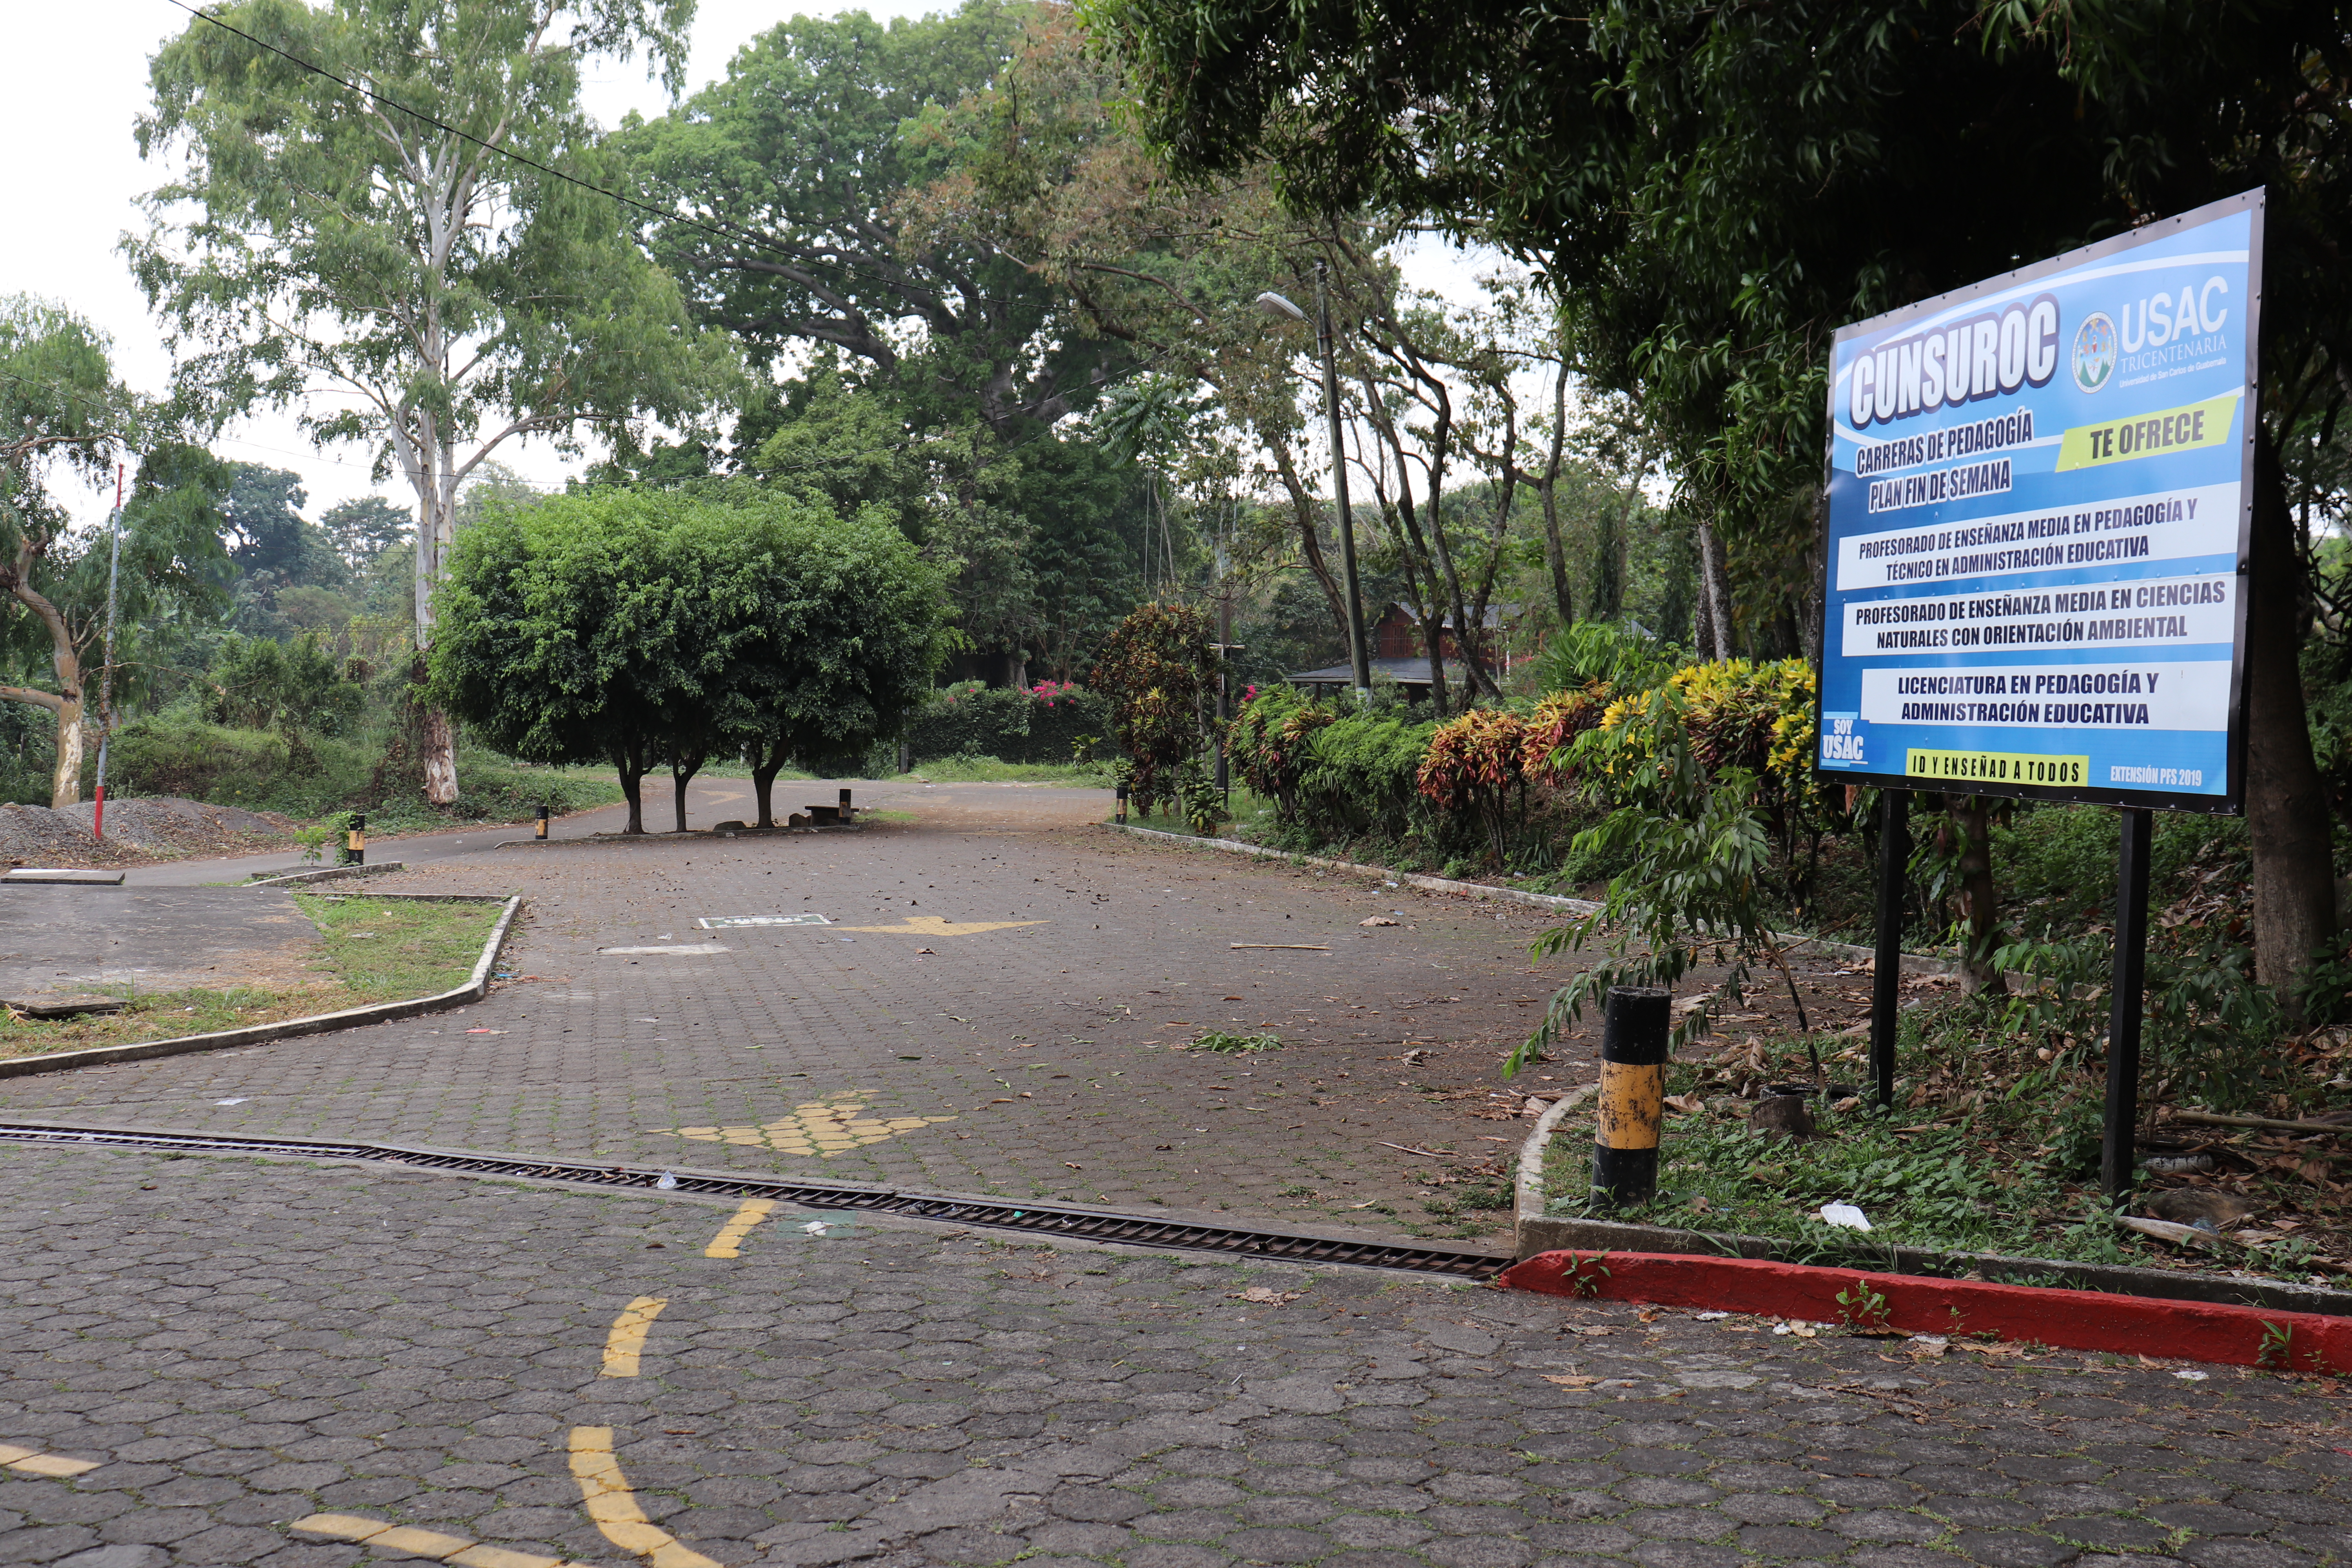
<point>1575,1380</point>
<point>1377,921</point>
<point>1266,1298</point>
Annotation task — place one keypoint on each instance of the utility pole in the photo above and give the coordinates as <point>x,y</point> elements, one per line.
<point>1358,656</point>
<point>106,669</point>
<point>1225,654</point>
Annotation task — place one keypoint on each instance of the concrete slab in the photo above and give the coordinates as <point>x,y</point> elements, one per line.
<point>64,874</point>
<point>59,943</point>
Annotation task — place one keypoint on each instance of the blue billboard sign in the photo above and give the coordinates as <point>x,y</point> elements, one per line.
<point>2040,492</point>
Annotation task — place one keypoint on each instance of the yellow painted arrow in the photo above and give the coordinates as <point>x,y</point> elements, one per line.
<point>932,925</point>
<point>822,1127</point>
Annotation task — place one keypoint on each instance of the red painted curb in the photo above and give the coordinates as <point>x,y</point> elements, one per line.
<point>2071,1320</point>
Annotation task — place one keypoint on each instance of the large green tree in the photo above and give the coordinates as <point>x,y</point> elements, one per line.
<point>65,419</point>
<point>1713,189</point>
<point>794,171</point>
<point>641,627</point>
<point>382,227</point>
<point>364,527</point>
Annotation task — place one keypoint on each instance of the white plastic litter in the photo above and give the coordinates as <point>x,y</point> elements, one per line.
<point>2190,1375</point>
<point>668,1183</point>
<point>815,1228</point>
<point>1845,1214</point>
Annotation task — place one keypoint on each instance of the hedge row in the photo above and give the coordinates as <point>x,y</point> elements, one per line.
<point>1043,724</point>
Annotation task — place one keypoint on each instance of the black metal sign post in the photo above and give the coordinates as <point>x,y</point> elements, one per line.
<point>1886,977</point>
<point>2118,1139</point>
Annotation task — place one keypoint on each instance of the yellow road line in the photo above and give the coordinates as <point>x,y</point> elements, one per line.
<point>33,1462</point>
<point>628,1335</point>
<point>726,1244</point>
<point>614,1508</point>
<point>411,1543</point>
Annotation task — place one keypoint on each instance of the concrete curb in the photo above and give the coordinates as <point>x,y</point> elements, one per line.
<point>474,990</point>
<point>1531,1198</point>
<point>1539,1233</point>
<point>1913,962</point>
<point>327,873</point>
<point>2228,1335</point>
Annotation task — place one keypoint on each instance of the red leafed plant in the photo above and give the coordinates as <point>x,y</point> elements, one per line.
<point>1270,740</point>
<point>1156,668</point>
<point>1558,721</point>
<point>1473,764</point>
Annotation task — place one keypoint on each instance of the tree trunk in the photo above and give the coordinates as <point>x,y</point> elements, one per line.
<point>1969,820</point>
<point>1304,510</point>
<point>1555,552</point>
<point>1434,634</point>
<point>766,764</point>
<point>629,761</point>
<point>436,490</point>
<point>65,784</point>
<point>2286,803</point>
<point>681,772</point>
<point>66,702</point>
<point>1608,600</point>
<point>440,758</point>
<point>1703,632</point>
<point>1715,589</point>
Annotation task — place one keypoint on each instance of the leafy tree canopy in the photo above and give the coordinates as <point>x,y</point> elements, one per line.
<point>66,419</point>
<point>364,527</point>
<point>643,625</point>
<point>794,170</point>
<point>457,297</point>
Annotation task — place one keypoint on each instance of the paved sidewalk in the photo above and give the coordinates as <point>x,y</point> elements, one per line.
<point>221,1349</point>
<point>992,1010</point>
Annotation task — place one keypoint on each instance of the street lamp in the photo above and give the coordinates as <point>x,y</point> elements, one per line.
<point>1272,304</point>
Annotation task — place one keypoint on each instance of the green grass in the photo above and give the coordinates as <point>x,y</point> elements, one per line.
<point>1943,1188</point>
<point>988,770</point>
<point>1238,1045</point>
<point>369,950</point>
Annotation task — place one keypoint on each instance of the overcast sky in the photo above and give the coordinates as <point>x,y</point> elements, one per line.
<point>73,80</point>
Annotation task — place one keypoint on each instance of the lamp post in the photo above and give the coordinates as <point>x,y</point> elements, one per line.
<point>1359,654</point>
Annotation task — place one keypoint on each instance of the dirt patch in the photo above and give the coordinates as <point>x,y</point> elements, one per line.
<point>163,828</point>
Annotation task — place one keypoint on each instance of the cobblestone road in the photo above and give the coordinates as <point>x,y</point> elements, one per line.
<point>992,1010</point>
<point>500,1376</point>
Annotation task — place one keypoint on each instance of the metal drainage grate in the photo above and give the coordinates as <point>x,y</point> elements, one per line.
<point>1049,1219</point>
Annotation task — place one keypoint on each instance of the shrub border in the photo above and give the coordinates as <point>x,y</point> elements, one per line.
<point>476,987</point>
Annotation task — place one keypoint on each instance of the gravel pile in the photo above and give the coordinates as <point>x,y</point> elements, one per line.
<point>34,835</point>
<point>165,826</point>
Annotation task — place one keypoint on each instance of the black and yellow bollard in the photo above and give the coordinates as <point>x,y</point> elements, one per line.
<point>1633,1037</point>
<point>355,840</point>
<point>542,822</point>
<point>1121,817</point>
<point>848,814</point>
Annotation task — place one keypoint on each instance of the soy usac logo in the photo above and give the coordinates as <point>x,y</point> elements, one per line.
<point>1841,744</point>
